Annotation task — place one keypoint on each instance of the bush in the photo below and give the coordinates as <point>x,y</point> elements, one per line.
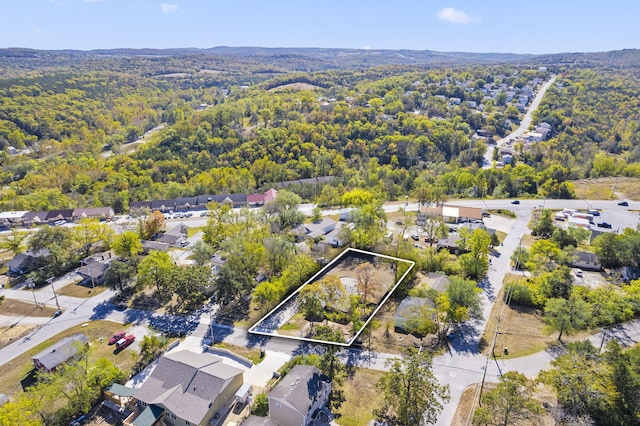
<point>260,406</point>
<point>520,294</point>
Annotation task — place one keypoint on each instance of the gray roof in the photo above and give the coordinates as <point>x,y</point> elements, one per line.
<point>155,245</point>
<point>93,268</point>
<point>59,352</point>
<point>186,383</point>
<point>93,212</point>
<point>408,307</point>
<point>301,388</point>
<point>163,204</point>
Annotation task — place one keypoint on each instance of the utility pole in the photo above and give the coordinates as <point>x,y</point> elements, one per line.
<point>32,285</point>
<point>486,365</point>
<point>50,281</point>
<point>211,327</point>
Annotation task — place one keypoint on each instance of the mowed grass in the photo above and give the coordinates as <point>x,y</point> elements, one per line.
<point>252,354</point>
<point>79,290</point>
<point>18,308</point>
<point>98,333</point>
<point>193,231</point>
<point>609,188</point>
<point>361,398</point>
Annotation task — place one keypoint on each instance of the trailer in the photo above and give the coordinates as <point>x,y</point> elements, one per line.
<point>577,221</point>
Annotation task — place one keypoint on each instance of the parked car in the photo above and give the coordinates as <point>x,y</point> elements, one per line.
<point>486,214</point>
<point>593,212</point>
<point>125,341</point>
<point>57,313</point>
<point>623,204</point>
<point>415,237</point>
<point>515,202</point>
<point>604,225</point>
<point>578,272</point>
<point>116,337</point>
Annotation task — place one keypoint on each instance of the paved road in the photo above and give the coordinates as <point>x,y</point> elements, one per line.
<point>524,124</point>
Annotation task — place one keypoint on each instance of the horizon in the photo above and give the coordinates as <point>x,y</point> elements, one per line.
<point>463,26</point>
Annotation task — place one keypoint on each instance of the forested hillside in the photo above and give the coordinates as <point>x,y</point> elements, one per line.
<point>234,124</point>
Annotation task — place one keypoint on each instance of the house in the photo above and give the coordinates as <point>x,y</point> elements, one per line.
<point>12,218</point>
<point>186,203</point>
<point>315,229</point>
<point>61,214</point>
<point>59,353</point>
<point>186,388</point>
<point>450,243</point>
<point>34,218</point>
<point>335,236</point>
<point>436,281</point>
<point>140,205</point>
<point>163,206</point>
<point>102,213</point>
<point>299,396</point>
<point>586,260</point>
<point>26,262</point>
<point>176,236</point>
<point>217,262</point>
<point>256,200</point>
<point>147,246</point>
<point>409,307</point>
<point>94,268</point>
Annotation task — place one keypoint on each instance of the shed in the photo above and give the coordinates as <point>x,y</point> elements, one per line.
<point>58,353</point>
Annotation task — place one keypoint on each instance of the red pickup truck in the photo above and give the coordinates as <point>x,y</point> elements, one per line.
<point>125,341</point>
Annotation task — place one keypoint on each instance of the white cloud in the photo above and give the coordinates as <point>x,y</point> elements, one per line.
<point>169,8</point>
<point>93,1</point>
<point>367,47</point>
<point>449,14</point>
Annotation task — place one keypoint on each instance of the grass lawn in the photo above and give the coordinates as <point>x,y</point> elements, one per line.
<point>18,308</point>
<point>361,398</point>
<point>193,231</point>
<point>250,353</point>
<point>79,290</point>
<point>98,333</point>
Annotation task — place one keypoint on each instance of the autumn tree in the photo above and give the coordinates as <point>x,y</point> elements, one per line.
<point>91,231</point>
<point>156,270</point>
<point>368,284</point>
<point>412,393</point>
<point>152,225</point>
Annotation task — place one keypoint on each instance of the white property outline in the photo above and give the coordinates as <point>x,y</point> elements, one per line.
<point>313,278</point>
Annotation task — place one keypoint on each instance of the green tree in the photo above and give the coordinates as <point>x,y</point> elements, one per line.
<point>127,245</point>
<point>156,270</point>
<point>201,252</point>
<point>310,301</point>
<point>215,230</point>
<point>509,403</point>
<point>14,241</point>
<point>464,300</point>
<point>285,209</point>
<point>91,231</point>
<point>566,316</point>
<point>476,262</point>
<point>412,393</point>
<point>120,274</point>
<point>543,226</point>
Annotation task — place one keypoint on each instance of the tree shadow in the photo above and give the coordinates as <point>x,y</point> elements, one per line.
<point>466,339</point>
<point>102,309</point>
<point>487,288</point>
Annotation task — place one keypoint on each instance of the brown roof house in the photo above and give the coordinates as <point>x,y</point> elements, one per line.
<point>186,388</point>
<point>299,397</point>
<point>59,353</point>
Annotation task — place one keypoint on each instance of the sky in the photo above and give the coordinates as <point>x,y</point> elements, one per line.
<point>503,26</point>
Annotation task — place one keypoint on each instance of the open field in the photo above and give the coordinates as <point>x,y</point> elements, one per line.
<point>609,188</point>
<point>361,398</point>
<point>98,332</point>
<point>19,308</point>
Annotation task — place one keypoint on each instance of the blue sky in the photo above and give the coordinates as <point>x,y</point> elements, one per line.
<point>541,26</point>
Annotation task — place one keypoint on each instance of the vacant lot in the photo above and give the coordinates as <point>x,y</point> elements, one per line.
<point>10,334</point>
<point>80,290</point>
<point>361,398</point>
<point>98,333</point>
<point>608,188</point>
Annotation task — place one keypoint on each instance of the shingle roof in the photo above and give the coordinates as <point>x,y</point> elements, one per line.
<point>301,387</point>
<point>59,352</point>
<point>186,383</point>
<point>93,212</point>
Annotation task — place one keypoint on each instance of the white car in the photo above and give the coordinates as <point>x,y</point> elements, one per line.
<point>578,272</point>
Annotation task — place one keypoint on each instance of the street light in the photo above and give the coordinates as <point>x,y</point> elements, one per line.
<point>50,281</point>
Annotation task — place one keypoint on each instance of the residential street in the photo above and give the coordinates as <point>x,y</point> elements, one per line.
<point>459,368</point>
<point>523,127</point>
